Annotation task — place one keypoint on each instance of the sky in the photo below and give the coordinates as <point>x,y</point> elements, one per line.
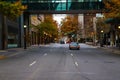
<point>58,17</point>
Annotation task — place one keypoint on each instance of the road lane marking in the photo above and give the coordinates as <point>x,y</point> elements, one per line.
<point>45,54</point>
<point>32,63</point>
<point>87,73</point>
<point>71,54</point>
<point>76,64</point>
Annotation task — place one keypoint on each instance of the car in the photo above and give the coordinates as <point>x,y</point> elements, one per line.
<point>62,42</point>
<point>68,42</point>
<point>74,45</point>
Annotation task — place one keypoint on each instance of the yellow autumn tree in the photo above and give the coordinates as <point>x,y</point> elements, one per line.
<point>112,8</point>
<point>69,25</point>
<point>112,15</point>
<point>12,10</point>
<point>101,26</point>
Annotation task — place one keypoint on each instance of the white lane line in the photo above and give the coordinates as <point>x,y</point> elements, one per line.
<point>45,54</point>
<point>32,63</point>
<point>76,64</point>
<point>71,54</point>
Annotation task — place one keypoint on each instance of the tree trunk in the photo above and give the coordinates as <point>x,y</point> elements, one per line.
<point>112,36</point>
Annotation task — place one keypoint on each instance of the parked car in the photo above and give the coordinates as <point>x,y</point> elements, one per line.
<point>74,45</point>
<point>62,42</point>
<point>68,41</point>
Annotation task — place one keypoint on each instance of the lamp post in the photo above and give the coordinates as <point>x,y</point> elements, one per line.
<point>101,42</point>
<point>118,36</point>
<point>25,37</point>
<point>118,27</point>
<point>101,31</point>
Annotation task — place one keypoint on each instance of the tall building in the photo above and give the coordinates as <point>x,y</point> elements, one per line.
<point>35,20</point>
<point>10,34</point>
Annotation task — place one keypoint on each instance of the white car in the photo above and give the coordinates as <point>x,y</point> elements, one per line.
<point>74,45</point>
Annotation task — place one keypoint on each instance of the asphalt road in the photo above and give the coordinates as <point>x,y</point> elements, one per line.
<point>57,62</point>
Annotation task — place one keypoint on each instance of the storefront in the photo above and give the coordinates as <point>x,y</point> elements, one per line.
<point>11,34</point>
<point>12,37</point>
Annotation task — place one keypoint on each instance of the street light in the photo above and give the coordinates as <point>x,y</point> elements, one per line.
<point>101,42</point>
<point>101,31</point>
<point>118,27</point>
<point>25,37</point>
<point>118,36</point>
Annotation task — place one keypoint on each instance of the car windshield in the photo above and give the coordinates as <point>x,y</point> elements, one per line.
<point>73,43</point>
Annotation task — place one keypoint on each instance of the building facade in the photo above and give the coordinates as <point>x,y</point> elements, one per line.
<point>14,32</point>
<point>11,33</point>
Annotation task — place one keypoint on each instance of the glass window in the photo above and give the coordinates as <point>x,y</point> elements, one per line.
<point>80,0</point>
<point>62,5</point>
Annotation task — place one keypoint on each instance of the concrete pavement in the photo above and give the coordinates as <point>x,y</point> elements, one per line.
<point>8,52</point>
<point>5,53</point>
<point>12,51</point>
<point>111,49</point>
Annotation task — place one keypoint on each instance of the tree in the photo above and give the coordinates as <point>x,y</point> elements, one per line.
<point>102,26</point>
<point>112,8</point>
<point>50,26</point>
<point>47,29</point>
<point>11,10</point>
<point>112,14</point>
<point>69,26</point>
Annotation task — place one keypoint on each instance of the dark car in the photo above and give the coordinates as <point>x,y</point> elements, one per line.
<point>62,42</point>
<point>74,45</point>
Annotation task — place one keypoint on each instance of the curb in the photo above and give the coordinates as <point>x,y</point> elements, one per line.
<point>8,52</point>
<point>13,51</point>
<point>115,51</point>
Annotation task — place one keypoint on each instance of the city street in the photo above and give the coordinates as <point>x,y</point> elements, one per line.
<point>57,62</point>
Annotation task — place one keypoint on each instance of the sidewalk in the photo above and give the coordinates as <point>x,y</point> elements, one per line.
<point>5,53</point>
<point>113,49</point>
<point>12,51</point>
